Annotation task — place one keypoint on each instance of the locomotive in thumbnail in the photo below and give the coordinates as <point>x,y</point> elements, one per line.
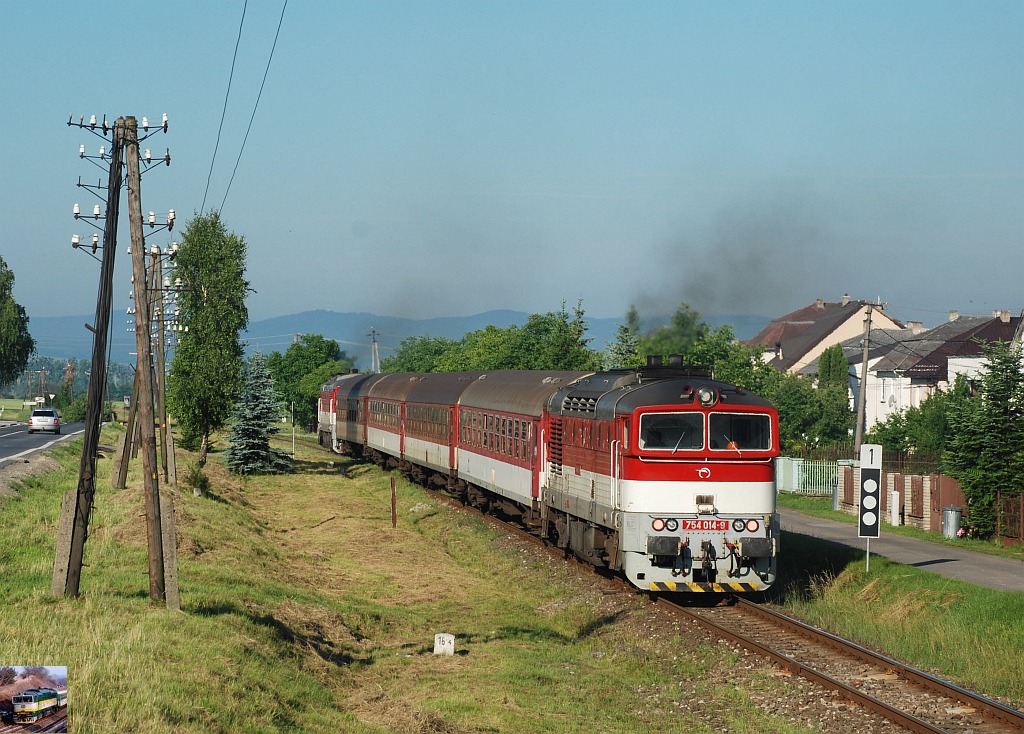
<point>34,703</point>
<point>660,473</point>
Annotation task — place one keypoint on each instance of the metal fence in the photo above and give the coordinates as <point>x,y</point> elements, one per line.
<point>807,476</point>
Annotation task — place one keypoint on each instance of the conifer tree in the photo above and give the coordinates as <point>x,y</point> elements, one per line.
<point>254,420</point>
<point>984,449</point>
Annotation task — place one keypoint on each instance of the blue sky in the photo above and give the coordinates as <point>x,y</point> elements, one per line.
<point>446,158</point>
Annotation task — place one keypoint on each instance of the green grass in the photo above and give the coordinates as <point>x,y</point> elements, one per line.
<point>13,410</point>
<point>971,635</point>
<point>304,610</point>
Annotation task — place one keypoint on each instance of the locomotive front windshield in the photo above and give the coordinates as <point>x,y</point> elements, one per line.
<point>740,432</point>
<point>733,432</point>
<point>671,431</point>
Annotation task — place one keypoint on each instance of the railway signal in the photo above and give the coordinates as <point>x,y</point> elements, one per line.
<point>870,512</point>
<point>870,489</point>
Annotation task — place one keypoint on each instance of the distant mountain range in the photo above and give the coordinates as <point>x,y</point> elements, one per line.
<point>67,337</point>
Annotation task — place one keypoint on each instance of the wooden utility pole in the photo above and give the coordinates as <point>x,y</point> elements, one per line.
<point>862,397</point>
<point>73,527</point>
<point>144,369</point>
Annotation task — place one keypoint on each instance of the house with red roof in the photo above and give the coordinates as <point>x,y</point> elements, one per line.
<point>794,341</point>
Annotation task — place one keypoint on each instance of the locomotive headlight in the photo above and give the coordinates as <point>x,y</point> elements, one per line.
<point>738,525</point>
<point>752,526</point>
<point>671,525</point>
<point>707,396</point>
<point>658,524</point>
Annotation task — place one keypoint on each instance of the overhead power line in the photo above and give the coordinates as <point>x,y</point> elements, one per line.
<point>255,106</point>
<point>224,110</point>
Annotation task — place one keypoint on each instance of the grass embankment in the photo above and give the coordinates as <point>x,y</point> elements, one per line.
<point>13,410</point>
<point>965,633</point>
<point>303,610</point>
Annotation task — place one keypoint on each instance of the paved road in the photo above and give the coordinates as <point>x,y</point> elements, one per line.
<point>16,442</point>
<point>1005,574</point>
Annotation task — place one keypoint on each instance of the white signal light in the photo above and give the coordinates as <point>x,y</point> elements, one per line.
<point>707,396</point>
<point>671,525</point>
<point>738,525</point>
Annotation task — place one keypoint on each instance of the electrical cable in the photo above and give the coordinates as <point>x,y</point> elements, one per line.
<point>255,106</point>
<point>223,112</point>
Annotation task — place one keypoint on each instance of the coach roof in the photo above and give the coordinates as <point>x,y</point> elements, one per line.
<point>517,391</point>
<point>441,388</point>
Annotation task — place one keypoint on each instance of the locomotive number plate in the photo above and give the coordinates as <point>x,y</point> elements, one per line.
<point>705,524</point>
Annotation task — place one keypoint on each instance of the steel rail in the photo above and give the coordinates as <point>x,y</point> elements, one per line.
<point>993,709</point>
<point>891,713</point>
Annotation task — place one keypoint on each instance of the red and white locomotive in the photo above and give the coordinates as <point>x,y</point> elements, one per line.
<point>661,473</point>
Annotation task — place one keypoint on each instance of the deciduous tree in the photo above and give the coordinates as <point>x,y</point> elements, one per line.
<point>419,354</point>
<point>676,337</point>
<point>7,675</point>
<point>551,341</point>
<point>306,354</point>
<point>16,344</point>
<point>206,371</point>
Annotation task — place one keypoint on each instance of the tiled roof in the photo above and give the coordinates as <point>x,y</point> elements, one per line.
<point>927,354</point>
<point>800,331</point>
<point>882,342</point>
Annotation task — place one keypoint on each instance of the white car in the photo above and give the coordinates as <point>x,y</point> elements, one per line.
<point>44,419</point>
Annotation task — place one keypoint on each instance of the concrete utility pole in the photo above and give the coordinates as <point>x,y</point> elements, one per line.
<point>144,372</point>
<point>119,475</point>
<point>73,527</point>
<point>862,397</point>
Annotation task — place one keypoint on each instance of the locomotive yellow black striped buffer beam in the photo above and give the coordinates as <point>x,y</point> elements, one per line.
<point>725,588</point>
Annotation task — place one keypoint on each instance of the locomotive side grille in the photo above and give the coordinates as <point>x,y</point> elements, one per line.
<point>555,445</point>
<point>579,405</point>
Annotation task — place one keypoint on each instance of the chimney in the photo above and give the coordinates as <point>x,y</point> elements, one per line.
<point>916,327</point>
<point>820,303</point>
<point>954,315</point>
<point>778,350</point>
<point>846,299</point>
<point>1003,316</point>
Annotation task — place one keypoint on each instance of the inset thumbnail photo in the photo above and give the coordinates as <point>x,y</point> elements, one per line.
<point>35,695</point>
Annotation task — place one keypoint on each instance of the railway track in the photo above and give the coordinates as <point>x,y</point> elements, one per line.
<point>57,722</point>
<point>898,693</point>
<point>906,696</point>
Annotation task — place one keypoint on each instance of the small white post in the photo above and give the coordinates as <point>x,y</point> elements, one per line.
<point>444,644</point>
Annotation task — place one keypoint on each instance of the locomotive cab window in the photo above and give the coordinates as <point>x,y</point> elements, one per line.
<point>671,431</point>
<point>740,432</point>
